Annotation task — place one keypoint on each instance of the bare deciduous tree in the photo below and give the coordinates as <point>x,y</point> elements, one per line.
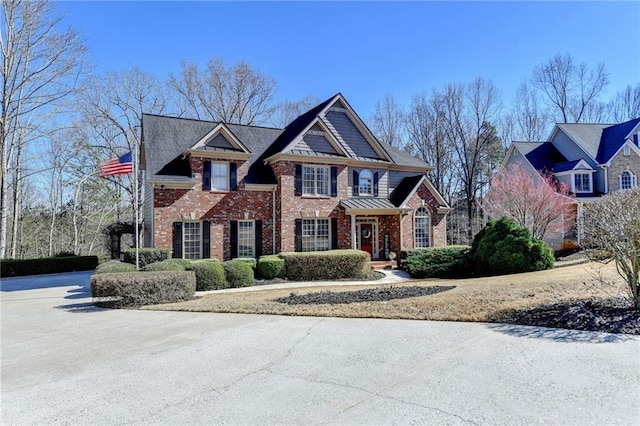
<point>531,201</point>
<point>531,120</point>
<point>568,87</point>
<point>287,111</point>
<point>387,121</point>
<point>612,223</point>
<point>40,68</point>
<point>237,94</point>
<point>626,104</point>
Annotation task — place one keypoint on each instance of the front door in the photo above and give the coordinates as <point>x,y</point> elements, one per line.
<point>366,238</point>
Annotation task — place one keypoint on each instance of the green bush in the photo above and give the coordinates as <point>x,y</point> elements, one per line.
<point>270,267</point>
<point>48,265</point>
<point>238,273</point>
<point>502,247</point>
<point>134,289</point>
<point>248,260</point>
<point>326,265</point>
<point>209,274</point>
<point>167,265</point>
<point>146,255</point>
<point>114,267</point>
<point>437,262</point>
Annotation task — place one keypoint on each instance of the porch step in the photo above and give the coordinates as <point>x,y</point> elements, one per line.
<point>383,264</point>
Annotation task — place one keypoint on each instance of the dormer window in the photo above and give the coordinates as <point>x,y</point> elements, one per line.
<point>582,182</point>
<point>365,183</point>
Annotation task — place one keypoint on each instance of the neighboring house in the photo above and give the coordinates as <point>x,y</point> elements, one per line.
<point>591,159</point>
<point>323,182</point>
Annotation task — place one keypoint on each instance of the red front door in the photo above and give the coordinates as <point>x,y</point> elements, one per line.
<point>366,238</point>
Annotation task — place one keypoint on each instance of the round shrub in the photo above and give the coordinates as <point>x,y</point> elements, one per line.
<point>502,247</point>
<point>165,265</point>
<point>238,273</point>
<point>209,274</point>
<point>270,267</point>
<point>438,262</point>
<point>115,266</point>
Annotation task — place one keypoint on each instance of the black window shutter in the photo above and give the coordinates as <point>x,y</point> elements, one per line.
<point>298,234</point>
<point>233,233</point>
<point>334,181</point>
<point>258,231</point>
<point>298,179</point>
<point>356,183</point>
<point>206,176</point>
<point>375,184</point>
<point>206,239</point>
<point>233,176</point>
<point>334,233</point>
<point>177,240</point>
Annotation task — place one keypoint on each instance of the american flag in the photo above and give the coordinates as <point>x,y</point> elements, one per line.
<point>116,166</point>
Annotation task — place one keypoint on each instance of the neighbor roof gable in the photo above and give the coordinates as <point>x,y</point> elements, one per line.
<point>613,139</point>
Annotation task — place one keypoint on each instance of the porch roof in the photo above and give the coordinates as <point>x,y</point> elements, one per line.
<point>364,205</point>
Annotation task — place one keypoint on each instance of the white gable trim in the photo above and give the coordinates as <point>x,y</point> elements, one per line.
<point>633,131</point>
<point>629,143</point>
<point>228,135</point>
<point>443,206</point>
<point>327,133</point>
<point>578,144</point>
<point>362,128</point>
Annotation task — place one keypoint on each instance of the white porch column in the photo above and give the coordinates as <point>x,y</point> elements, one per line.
<point>400,228</point>
<point>353,231</point>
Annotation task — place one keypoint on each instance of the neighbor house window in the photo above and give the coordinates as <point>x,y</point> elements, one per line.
<point>246,238</point>
<point>220,176</point>
<point>627,180</point>
<point>315,180</point>
<point>422,228</point>
<point>582,182</point>
<point>316,235</point>
<point>192,240</point>
<point>365,183</point>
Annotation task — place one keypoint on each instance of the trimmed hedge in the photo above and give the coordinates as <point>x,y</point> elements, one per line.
<point>437,262</point>
<point>48,265</point>
<point>248,260</point>
<point>502,247</point>
<point>146,255</point>
<point>115,267</point>
<point>167,265</point>
<point>210,274</point>
<point>326,265</point>
<point>270,267</point>
<point>238,273</point>
<point>135,289</point>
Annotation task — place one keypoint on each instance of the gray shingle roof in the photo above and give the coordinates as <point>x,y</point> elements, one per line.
<point>585,134</point>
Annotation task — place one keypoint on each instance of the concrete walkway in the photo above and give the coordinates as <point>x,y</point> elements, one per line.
<point>66,362</point>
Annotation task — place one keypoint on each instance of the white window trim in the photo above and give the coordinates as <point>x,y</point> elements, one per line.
<point>184,233</point>
<point>626,150</point>
<point>365,194</point>
<point>253,238</point>
<point>315,233</point>
<point>633,178</point>
<point>428,217</point>
<point>227,188</point>
<point>315,181</point>
<point>573,182</point>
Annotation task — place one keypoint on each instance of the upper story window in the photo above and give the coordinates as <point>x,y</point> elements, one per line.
<point>219,176</point>
<point>582,182</point>
<point>627,180</point>
<point>315,180</point>
<point>365,184</point>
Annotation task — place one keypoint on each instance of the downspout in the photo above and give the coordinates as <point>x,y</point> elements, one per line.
<point>606,178</point>
<point>273,226</point>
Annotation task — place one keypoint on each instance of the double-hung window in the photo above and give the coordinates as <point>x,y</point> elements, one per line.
<point>316,235</point>
<point>192,240</point>
<point>582,182</point>
<point>422,225</point>
<point>220,176</point>
<point>315,180</point>
<point>246,238</point>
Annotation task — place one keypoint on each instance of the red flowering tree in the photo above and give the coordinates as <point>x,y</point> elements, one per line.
<point>539,203</point>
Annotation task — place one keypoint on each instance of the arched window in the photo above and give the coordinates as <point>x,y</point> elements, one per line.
<point>422,226</point>
<point>627,180</point>
<point>366,183</point>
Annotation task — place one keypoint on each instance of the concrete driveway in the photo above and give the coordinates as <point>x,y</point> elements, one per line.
<point>66,362</point>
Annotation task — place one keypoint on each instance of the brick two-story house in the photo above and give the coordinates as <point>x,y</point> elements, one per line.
<point>323,182</point>
<point>591,159</point>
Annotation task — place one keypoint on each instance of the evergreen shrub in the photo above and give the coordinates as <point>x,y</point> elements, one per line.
<point>238,273</point>
<point>209,274</point>
<point>270,267</point>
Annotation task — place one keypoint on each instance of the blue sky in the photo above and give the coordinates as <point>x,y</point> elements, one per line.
<point>364,49</point>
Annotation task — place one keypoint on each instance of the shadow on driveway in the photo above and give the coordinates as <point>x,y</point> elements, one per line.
<point>559,334</point>
<point>34,282</point>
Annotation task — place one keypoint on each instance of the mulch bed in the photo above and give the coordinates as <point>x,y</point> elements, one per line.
<point>616,315</point>
<point>367,295</point>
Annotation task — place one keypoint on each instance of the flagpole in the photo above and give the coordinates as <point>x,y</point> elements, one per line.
<point>136,208</point>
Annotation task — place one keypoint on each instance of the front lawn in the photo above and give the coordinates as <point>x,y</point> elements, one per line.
<point>586,296</point>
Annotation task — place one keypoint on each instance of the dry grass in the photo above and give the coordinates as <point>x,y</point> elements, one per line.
<point>478,299</point>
